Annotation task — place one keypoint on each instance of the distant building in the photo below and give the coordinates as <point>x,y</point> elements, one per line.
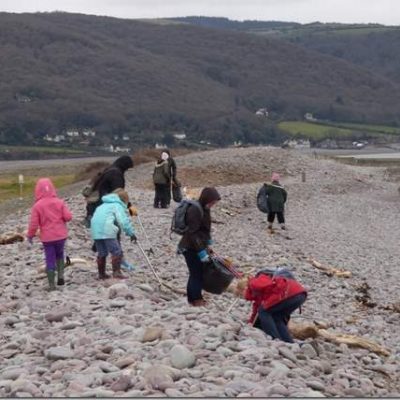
<point>297,144</point>
<point>309,117</point>
<point>237,143</point>
<point>48,138</point>
<point>125,138</point>
<point>72,133</point>
<point>22,98</point>
<point>262,112</point>
<point>159,146</point>
<point>118,149</point>
<point>180,136</point>
<point>88,133</point>
<point>59,138</point>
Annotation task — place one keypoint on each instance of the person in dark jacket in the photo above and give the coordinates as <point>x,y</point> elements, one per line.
<point>276,199</point>
<point>112,178</point>
<point>172,173</point>
<point>162,181</point>
<point>274,299</point>
<point>195,243</point>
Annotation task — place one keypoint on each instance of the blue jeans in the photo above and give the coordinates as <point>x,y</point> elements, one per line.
<point>195,282</point>
<point>274,320</point>
<point>106,246</point>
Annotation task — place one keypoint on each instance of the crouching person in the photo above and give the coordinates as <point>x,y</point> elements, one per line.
<point>196,242</point>
<point>109,218</point>
<point>274,300</point>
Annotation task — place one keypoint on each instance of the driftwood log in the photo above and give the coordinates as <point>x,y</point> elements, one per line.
<point>328,270</point>
<point>305,330</point>
<point>41,269</point>
<point>11,237</point>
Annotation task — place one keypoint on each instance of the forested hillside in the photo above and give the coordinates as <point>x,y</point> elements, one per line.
<point>145,79</point>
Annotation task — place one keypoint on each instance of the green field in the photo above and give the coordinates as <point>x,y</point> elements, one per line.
<point>378,129</point>
<point>9,186</point>
<point>313,131</point>
<point>337,130</point>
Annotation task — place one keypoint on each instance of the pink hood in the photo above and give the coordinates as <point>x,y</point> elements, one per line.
<point>44,188</point>
<point>49,213</point>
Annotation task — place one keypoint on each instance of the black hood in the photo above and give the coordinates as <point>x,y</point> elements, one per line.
<point>123,163</point>
<point>208,195</point>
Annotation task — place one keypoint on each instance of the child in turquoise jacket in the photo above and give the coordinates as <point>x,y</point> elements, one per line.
<point>109,218</point>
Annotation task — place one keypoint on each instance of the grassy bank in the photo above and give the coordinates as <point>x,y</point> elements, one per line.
<point>10,188</point>
<point>335,130</point>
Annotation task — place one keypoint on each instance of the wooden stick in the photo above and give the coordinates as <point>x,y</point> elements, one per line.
<point>42,268</point>
<point>328,270</point>
<point>311,330</point>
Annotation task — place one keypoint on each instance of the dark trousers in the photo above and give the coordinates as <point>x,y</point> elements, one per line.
<point>280,215</point>
<point>274,320</point>
<point>168,195</point>
<point>161,195</point>
<point>195,281</point>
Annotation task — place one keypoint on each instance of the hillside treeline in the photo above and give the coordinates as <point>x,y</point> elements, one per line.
<point>146,80</point>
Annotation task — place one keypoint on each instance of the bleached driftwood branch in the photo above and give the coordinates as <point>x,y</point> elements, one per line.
<point>310,330</point>
<point>328,270</point>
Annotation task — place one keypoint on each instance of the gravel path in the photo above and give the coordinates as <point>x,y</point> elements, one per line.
<point>94,339</point>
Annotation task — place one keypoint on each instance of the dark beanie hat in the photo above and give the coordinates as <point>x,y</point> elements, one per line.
<point>123,163</point>
<point>208,195</point>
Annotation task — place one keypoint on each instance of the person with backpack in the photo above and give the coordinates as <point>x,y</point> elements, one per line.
<point>275,296</point>
<point>276,199</point>
<point>162,181</point>
<point>113,177</point>
<point>50,215</point>
<point>196,241</point>
<point>109,219</point>
<point>106,182</point>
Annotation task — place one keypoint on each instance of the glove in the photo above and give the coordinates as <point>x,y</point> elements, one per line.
<point>204,257</point>
<point>133,211</point>
<point>133,238</point>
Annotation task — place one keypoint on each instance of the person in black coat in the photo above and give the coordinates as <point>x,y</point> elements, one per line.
<point>112,178</point>
<point>195,243</point>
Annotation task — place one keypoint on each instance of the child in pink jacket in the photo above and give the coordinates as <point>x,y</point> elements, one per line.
<point>50,214</point>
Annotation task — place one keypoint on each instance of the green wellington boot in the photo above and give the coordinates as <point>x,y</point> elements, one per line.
<point>60,272</point>
<point>51,276</point>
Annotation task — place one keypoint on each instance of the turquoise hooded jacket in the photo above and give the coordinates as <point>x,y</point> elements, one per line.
<point>109,218</point>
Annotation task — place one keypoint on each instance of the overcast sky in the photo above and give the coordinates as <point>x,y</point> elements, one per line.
<point>381,11</point>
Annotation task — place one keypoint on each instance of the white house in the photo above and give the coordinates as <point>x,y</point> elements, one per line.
<point>159,146</point>
<point>71,133</point>
<point>125,138</point>
<point>48,138</point>
<point>262,112</point>
<point>59,138</point>
<point>180,136</point>
<point>88,133</point>
<point>309,117</point>
<point>118,149</point>
<point>298,144</point>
